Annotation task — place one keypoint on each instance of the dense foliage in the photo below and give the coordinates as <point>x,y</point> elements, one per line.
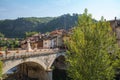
<point>29,34</point>
<point>1,35</point>
<point>1,65</point>
<point>9,43</point>
<point>92,50</point>
<point>18,27</point>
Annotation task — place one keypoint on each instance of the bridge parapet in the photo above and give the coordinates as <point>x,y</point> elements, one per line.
<point>24,53</point>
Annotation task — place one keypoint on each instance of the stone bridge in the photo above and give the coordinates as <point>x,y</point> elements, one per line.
<point>40,60</point>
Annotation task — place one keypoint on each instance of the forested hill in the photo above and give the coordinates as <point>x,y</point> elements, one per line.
<point>17,28</point>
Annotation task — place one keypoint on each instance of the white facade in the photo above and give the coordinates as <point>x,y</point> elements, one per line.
<point>59,40</point>
<point>46,43</point>
<point>53,42</point>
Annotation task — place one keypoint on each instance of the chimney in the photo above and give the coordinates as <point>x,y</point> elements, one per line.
<point>115,18</point>
<point>115,21</point>
<point>105,19</point>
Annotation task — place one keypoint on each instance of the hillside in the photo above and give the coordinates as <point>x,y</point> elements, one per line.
<point>18,27</point>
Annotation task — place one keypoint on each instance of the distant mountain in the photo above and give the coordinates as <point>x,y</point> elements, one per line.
<point>17,28</point>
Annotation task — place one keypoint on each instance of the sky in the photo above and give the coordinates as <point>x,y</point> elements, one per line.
<point>12,9</point>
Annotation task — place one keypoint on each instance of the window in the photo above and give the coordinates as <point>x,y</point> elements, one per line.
<point>45,43</point>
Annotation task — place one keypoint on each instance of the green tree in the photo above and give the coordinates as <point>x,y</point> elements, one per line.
<point>88,50</point>
<point>1,35</point>
<point>0,69</point>
<point>29,34</point>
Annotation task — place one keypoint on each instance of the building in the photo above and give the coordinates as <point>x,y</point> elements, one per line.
<point>115,24</point>
<point>59,34</point>
<point>54,39</point>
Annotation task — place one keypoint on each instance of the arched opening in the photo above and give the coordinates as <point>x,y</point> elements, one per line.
<point>59,68</point>
<point>27,71</point>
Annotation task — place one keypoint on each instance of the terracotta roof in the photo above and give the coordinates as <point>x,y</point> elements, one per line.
<point>61,31</point>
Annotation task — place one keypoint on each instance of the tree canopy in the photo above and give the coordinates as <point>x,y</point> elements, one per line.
<point>1,35</point>
<point>1,69</point>
<point>92,50</point>
<point>29,34</point>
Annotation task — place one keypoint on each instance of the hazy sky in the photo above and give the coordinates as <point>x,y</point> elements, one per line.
<point>11,9</point>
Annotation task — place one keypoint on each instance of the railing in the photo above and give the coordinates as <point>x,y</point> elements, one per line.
<point>17,54</point>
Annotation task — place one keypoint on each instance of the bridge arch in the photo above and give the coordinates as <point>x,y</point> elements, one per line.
<point>30,69</point>
<point>55,57</point>
<point>58,55</point>
<point>59,67</point>
<point>44,60</point>
<point>59,62</point>
<point>10,64</point>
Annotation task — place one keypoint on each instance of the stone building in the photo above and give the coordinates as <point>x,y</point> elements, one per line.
<point>52,40</point>
<point>115,24</point>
